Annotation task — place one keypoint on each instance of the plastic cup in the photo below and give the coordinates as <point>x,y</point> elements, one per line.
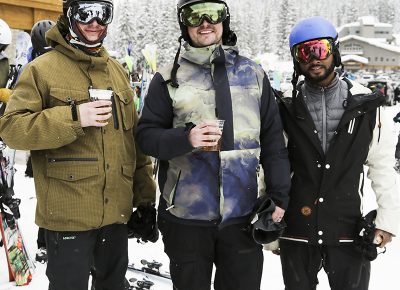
<point>97,95</point>
<point>220,124</point>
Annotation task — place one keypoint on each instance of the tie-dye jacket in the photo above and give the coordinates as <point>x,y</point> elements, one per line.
<point>214,186</point>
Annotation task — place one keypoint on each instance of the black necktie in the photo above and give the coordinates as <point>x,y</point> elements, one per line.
<point>223,99</point>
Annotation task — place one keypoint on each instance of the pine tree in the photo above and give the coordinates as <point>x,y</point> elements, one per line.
<point>125,28</point>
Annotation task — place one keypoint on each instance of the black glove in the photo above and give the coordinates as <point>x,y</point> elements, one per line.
<point>8,202</point>
<point>143,224</point>
<point>365,235</point>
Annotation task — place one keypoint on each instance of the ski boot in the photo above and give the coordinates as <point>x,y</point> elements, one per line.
<point>41,255</point>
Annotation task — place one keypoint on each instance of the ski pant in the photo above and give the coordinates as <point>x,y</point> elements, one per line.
<point>345,266</point>
<point>397,153</point>
<point>41,241</point>
<point>72,255</point>
<point>193,250</point>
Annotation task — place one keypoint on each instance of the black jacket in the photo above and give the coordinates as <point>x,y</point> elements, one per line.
<point>326,190</point>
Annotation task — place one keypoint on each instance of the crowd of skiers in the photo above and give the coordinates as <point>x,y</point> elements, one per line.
<point>305,148</point>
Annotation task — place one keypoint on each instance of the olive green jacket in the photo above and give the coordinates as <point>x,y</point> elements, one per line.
<point>85,178</point>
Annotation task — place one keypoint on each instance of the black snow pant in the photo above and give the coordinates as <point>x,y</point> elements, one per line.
<point>397,153</point>
<point>72,256</point>
<point>28,170</point>
<point>193,250</point>
<point>41,241</point>
<point>345,266</point>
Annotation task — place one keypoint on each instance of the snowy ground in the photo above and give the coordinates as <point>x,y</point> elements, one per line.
<point>384,269</point>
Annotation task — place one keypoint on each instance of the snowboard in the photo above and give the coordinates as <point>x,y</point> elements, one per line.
<point>19,263</point>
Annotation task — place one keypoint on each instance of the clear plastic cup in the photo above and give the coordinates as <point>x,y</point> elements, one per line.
<point>97,95</point>
<point>220,124</point>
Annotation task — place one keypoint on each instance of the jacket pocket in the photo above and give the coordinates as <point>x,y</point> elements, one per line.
<point>62,97</point>
<point>73,187</point>
<point>128,170</point>
<point>72,169</point>
<point>127,108</point>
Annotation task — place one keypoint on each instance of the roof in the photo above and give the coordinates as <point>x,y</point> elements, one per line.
<point>366,21</point>
<point>371,41</point>
<point>357,58</point>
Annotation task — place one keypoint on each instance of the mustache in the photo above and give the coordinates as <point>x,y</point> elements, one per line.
<point>317,65</point>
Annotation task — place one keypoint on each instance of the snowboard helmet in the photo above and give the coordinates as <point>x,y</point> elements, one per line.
<point>315,28</point>
<point>39,44</point>
<point>228,36</point>
<point>73,13</point>
<point>5,35</point>
<point>263,229</point>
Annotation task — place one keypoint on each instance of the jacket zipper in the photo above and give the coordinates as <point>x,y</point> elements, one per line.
<point>65,159</point>
<point>174,193</point>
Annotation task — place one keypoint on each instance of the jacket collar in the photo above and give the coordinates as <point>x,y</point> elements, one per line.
<point>315,89</point>
<point>205,55</point>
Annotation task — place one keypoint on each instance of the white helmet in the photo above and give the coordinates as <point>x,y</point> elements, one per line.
<point>5,33</point>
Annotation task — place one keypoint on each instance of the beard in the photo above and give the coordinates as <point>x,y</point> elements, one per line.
<point>317,79</point>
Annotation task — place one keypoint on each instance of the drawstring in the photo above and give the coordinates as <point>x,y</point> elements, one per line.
<point>173,80</point>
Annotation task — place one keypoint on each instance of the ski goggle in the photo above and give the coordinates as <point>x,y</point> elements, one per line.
<point>194,15</point>
<point>318,49</point>
<point>87,12</point>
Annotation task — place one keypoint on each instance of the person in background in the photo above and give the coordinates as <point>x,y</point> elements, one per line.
<point>73,108</point>
<point>207,197</point>
<point>334,127</point>
<point>5,41</point>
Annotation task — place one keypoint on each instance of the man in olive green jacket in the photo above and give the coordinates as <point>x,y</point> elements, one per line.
<point>88,170</point>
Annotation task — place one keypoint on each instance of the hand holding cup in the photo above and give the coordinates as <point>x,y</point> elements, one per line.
<point>95,113</point>
<point>207,135</point>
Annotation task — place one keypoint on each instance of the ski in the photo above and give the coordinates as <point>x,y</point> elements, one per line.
<point>152,268</point>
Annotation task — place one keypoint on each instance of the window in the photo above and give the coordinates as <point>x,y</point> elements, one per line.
<point>352,48</point>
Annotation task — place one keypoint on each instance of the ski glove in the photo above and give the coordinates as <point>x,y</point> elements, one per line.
<point>9,203</point>
<point>143,224</point>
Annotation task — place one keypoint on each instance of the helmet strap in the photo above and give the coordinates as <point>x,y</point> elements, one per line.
<point>173,80</point>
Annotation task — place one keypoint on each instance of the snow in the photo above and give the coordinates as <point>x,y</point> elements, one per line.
<point>384,269</point>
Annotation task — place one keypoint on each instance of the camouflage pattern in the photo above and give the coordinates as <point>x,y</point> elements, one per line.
<point>210,185</point>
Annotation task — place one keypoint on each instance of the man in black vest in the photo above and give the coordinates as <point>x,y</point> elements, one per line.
<point>334,127</point>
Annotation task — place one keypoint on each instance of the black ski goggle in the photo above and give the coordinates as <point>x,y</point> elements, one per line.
<point>194,15</point>
<point>87,12</point>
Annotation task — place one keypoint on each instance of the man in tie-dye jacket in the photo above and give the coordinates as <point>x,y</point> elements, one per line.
<point>207,196</point>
